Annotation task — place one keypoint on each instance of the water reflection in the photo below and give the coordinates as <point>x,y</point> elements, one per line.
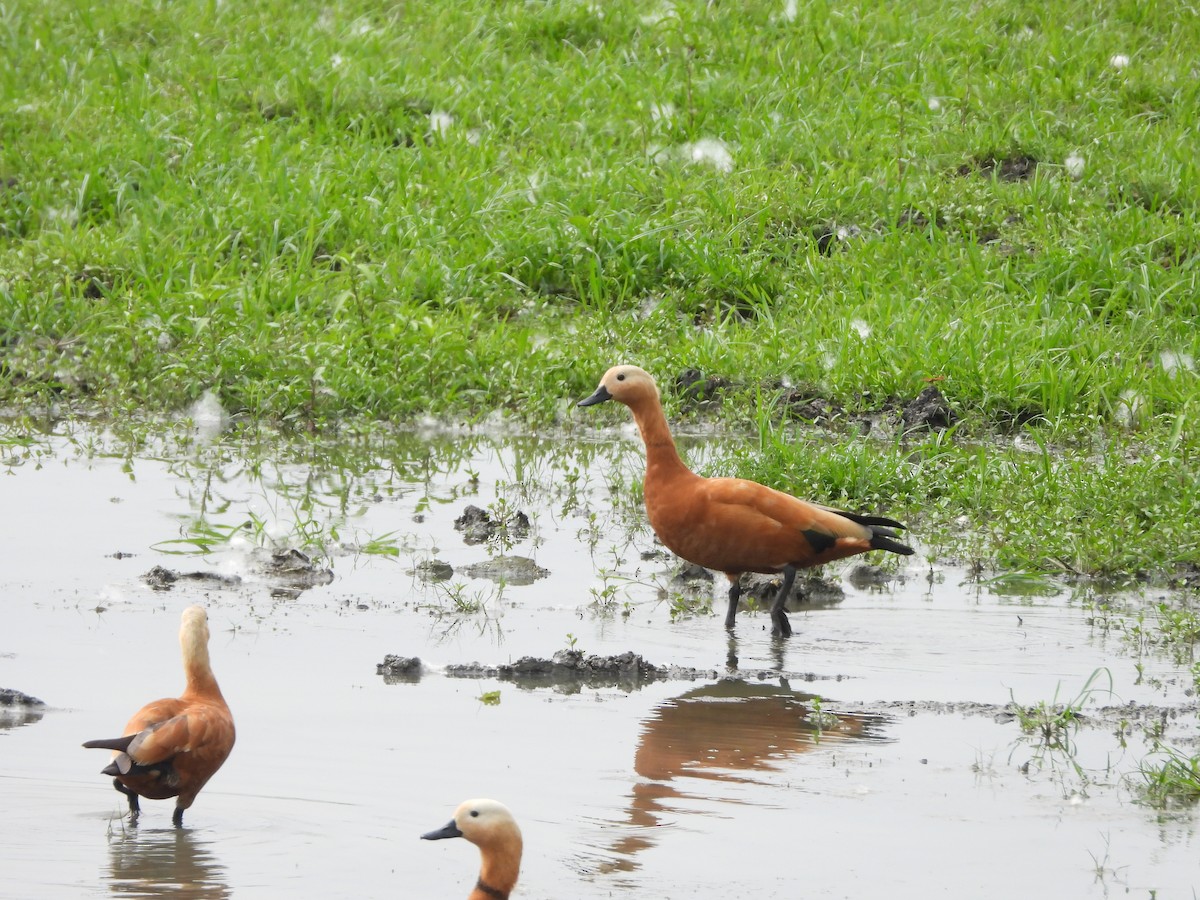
<point>17,708</point>
<point>730,732</point>
<point>164,862</point>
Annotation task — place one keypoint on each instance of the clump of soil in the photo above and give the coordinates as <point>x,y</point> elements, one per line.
<point>831,236</point>
<point>690,576</point>
<point>929,410</point>
<point>1020,167</point>
<point>292,570</point>
<point>810,590</point>
<point>289,572</point>
<point>507,569</point>
<point>866,577</point>
<point>17,708</point>
<point>400,669</point>
<point>9,697</point>
<point>805,404</point>
<point>915,220</point>
<point>478,526</point>
<point>572,670</point>
<point>163,579</point>
<point>431,570</point>
<point>696,387</point>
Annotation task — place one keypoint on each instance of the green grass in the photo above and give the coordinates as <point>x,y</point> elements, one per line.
<point>363,210</point>
<point>1170,780</point>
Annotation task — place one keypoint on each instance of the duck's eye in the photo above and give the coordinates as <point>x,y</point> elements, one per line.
<point>474,814</point>
<point>621,377</point>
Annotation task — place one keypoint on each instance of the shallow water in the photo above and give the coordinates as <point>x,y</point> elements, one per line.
<point>682,788</point>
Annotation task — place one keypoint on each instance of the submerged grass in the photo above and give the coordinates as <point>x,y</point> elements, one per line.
<point>387,211</point>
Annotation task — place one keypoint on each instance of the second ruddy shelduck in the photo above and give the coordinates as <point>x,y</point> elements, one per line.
<point>734,525</point>
<point>491,827</point>
<point>172,747</point>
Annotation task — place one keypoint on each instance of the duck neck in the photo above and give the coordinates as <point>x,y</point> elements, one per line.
<point>498,873</point>
<point>198,670</point>
<point>662,458</point>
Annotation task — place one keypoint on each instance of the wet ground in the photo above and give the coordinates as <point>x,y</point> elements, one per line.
<point>873,754</point>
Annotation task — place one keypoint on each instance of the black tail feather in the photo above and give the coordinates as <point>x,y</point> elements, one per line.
<point>870,520</point>
<point>882,535</point>
<point>882,540</point>
<point>121,743</point>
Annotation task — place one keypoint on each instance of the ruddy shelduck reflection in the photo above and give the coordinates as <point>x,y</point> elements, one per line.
<point>730,732</point>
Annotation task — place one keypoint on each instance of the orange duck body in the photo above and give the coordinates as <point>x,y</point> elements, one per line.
<point>734,525</point>
<point>172,747</point>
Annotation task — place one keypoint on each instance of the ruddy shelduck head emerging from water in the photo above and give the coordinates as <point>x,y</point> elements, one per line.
<point>490,826</point>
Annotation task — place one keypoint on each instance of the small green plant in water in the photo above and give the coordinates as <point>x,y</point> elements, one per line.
<point>684,606</point>
<point>818,718</point>
<point>490,698</point>
<point>1170,779</point>
<point>1054,723</point>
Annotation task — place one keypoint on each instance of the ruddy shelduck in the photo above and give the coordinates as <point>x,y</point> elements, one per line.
<point>172,747</point>
<point>734,525</point>
<point>491,827</point>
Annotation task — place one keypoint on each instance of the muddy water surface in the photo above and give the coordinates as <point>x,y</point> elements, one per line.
<point>868,756</point>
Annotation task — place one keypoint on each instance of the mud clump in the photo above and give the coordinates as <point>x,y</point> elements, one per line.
<point>690,577</point>
<point>17,708</point>
<point>810,590</point>
<point>517,570</point>
<point>288,572</point>
<point>867,577</point>
<point>930,410</point>
<point>812,407</point>
<point>291,572</point>
<point>11,698</point>
<point>1020,167</point>
<point>163,579</point>
<point>400,669</point>
<point>478,526</point>
<point>832,236</point>
<point>695,387</point>
<point>572,670</point>
<point>431,570</point>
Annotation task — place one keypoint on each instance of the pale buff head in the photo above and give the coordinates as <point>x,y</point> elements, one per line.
<point>625,384</point>
<point>487,824</point>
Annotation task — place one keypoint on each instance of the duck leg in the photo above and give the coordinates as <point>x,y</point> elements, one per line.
<point>177,817</point>
<point>134,808</point>
<point>780,625</point>
<point>735,591</point>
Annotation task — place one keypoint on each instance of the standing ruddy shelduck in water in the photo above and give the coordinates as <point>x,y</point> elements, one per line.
<point>730,524</point>
<point>490,827</point>
<point>172,747</point>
